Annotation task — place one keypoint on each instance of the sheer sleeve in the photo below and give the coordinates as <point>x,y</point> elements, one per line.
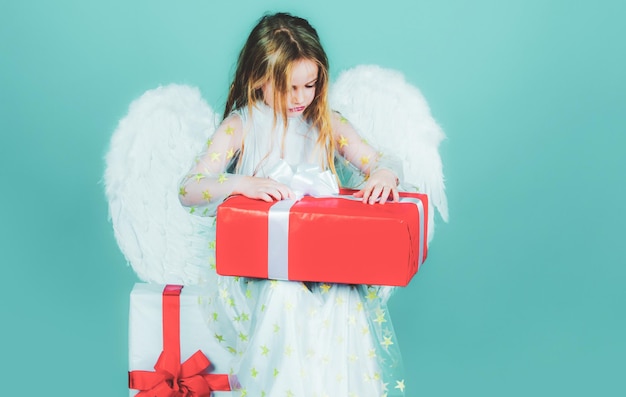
<point>210,179</point>
<point>356,160</point>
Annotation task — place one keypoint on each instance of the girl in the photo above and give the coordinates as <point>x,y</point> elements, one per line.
<point>290,338</point>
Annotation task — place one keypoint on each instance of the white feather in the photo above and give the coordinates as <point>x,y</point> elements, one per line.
<point>395,118</point>
<point>150,151</point>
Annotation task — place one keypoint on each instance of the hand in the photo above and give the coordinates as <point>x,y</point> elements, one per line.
<point>265,189</point>
<point>380,184</point>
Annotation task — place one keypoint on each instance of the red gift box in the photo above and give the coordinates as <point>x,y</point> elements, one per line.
<point>332,239</point>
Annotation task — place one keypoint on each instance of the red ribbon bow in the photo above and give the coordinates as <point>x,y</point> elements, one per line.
<point>171,378</point>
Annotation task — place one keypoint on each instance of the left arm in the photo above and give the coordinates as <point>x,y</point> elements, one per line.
<point>382,177</point>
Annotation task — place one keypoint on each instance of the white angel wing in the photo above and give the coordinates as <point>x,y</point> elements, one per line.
<point>394,117</point>
<point>149,154</point>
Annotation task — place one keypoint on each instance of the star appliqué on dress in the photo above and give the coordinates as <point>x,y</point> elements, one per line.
<point>400,385</point>
<point>343,141</point>
<point>215,156</point>
<point>386,341</point>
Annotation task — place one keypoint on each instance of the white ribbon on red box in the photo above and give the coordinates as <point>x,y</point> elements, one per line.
<point>309,180</point>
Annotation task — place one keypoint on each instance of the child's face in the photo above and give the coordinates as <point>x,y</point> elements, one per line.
<point>301,91</point>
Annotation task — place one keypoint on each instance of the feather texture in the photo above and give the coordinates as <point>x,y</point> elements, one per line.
<point>150,150</point>
<point>395,118</point>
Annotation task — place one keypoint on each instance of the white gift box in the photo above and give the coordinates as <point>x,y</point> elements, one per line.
<point>145,337</point>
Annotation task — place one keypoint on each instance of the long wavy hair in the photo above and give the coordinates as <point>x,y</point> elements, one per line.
<point>274,45</point>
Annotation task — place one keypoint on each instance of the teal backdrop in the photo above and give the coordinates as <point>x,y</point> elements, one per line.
<point>523,293</point>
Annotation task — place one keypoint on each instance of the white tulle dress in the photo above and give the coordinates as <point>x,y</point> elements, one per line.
<point>293,339</point>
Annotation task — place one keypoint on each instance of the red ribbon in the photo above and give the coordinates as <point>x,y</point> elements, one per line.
<point>171,378</point>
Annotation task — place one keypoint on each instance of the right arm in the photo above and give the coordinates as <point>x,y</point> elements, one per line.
<point>208,183</point>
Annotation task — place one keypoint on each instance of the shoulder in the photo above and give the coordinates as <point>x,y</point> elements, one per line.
<point>336,117</point>
<point>248,114</point>
<point>236,117</point>
<point>231,124</point>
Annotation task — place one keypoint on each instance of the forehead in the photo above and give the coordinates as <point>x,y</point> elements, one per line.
<point>303,71</point>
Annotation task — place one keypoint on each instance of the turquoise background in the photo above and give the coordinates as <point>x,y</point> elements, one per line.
<point>524,290</point>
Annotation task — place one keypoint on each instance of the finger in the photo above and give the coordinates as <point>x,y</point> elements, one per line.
<point>359,193</point>
<point>385,194</point>
<point>276,194</point>
<point>396,194</point>
<point>375,194</point>
<point>367,191</point>
<point>266,197</point>
<point>286,192</point>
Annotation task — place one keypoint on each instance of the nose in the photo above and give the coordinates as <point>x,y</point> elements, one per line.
<point>297,97</point>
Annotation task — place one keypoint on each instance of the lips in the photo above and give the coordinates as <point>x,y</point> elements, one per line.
<point>297,109</point>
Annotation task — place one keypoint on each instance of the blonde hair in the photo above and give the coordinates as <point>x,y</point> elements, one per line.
<point>274,45</point>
